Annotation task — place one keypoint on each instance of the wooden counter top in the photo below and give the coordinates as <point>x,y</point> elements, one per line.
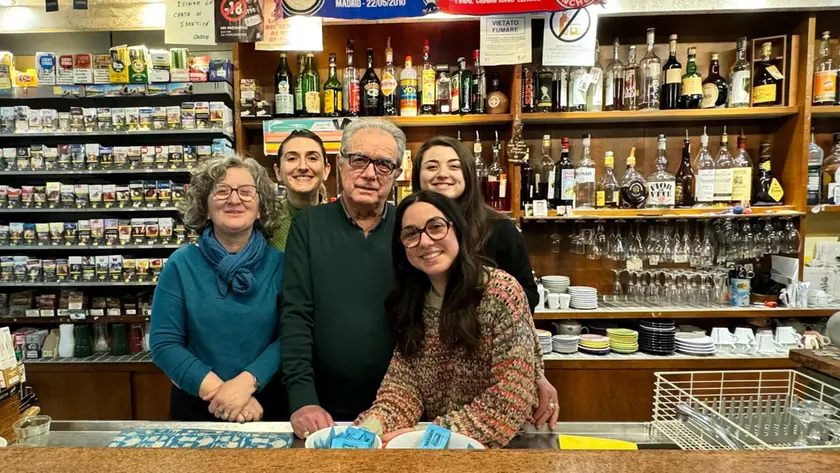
<point>57,460</point>
<point>825,360</point>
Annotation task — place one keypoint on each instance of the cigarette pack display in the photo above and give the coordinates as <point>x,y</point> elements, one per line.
<point>129,272</point>
<point>49,120</point>
<point>29,233</point>
<point>220,70</point>
<point>89,119</point>
<point>101,267</point>
<point>173,117</point>
<point>164,192</point>
<point>7,265</point>
<point>92,156</point>
<point>202,115</point>
<point>64,70</point>
<point>132,118</point>
<point>95,195</point>
<point>120,156</point>
<point>109,194</point>
<point>155,89</point>
<point>15,232</point>
<point>53,194</point>
<point>56,232</point>
<point>165,229</point>
<point>77,119</point>
<point>176,155</point>
<point>4,234</point>
<point>33,270</point>
<point>102,69</point>
<point>152,230</point>
<point>4,195</point>
<point>115,266</point>
<point>136,192</point>
<point>179,64</point>
<point>83,68</point>
<point>178,192</point>
<point>119,64</point>
<point>133,90</point>
<point>68,197</point>
<point>45,68</point>
<point>103,119</point>
<point>82,192</point>
<point>36,159</point>
<point>217,114</point>
<point>161,156</point>
<point>138,230</point>
<point>13,197</point>
<point>150,195</point>
<point>106,157</point>
<point>89,268</point>
<point>147,159</point>
<point>123,196</point>
<point>191,154</point>
<point>50,158</point>
<point>97,231</point>
<point>19,269</point>
<point>159,118</point>
<point>142,269</point>
<point>26,196</point>
<point>42,231</point>
<point>192,234</point>
<point>134,156</point>
<point>63,121</point>
<point>9,158</point>
<point>138,65</point>
<point>21,118</point>
<point>125,232</point>
<point>156,266</point>
<point>118,118</point>
<point>39,196</point>
<point>69,233</point>
<point>111,231</point>
<point>62,269</point>
<point>146,114</point>
<point>7,119</point>
<point>188,115</point>
<point>180,88</point>
<point>199,67</point>
<point>34,119</point>
<point>83,229</point>
<point>50,275</point>
<point>78,156</point>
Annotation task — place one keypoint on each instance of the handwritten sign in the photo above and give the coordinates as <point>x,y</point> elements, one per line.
<point>190,22</point>
<point>298,33</point>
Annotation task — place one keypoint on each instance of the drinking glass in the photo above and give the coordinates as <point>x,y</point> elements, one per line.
<point>598,244</point>
<point>791,238</point>
<point>618,291</point>
<point>775,239</point>
<point>678,255</point>
<point>807,412</point>
<point>650,245</point>
<point>707,252</point>
<point>577,245</point>
<point>747,242</point>
<point>635,250</point>
<point>665,245</point>
<point>619,250</point>
<point>555,240</point>
<point>696,248</point>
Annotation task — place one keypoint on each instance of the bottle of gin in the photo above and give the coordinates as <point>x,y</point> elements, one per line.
<point>585,178</point>
<point>649,83</point>
<point>723,172</point>
<point>661,185</point>
<point>633,190</point>
<point>614,81</point>
<point>595,92</point>
<point>704,192</point>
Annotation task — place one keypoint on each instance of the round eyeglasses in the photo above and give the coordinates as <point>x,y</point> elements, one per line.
<point>246,193</point>
<point>437,228</point>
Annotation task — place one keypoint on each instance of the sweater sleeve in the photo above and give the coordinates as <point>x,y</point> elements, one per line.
<point>398,403</point>
<point>494,417</point>
<point>266,365</point>
<point>168,337</point>
<point>297,319</point>
<point>507,248</point>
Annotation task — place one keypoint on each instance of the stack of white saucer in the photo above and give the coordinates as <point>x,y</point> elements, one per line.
<point>565,343</point>
<point>545,341</point>
<point>695,344</point>
<point>584,297</point>
<point>555,284</point>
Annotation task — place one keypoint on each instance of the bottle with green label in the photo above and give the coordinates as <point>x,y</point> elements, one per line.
<point>299,110</point>
<point>691,88</point>
<point>332,92</point>
<point>311,88</point>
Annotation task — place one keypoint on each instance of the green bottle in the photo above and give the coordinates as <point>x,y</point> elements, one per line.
<point>299,88</point>
<point>332,92</point>
<point>311,88</point>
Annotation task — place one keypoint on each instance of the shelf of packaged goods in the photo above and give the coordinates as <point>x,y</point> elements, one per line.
<point>103,247</point>
<point>106,319</point>
<point>95,172</point>
<point>79,284</point>
<point>94,134</point>
<point>651,312</point>
<point>412,122</point>
<point>756,113</point>
<point>90,210</point>
<point>72,92</point>
<point>826,111</point>
<point>615,214</point>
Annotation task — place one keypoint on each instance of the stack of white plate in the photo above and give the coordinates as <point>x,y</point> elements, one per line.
<point>545,341</point>
<point>555,284</point>
<point>695,344</point>
<point>565,343</point>
<point>584,297</point>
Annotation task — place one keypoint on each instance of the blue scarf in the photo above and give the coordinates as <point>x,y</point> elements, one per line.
<point>234,271</point>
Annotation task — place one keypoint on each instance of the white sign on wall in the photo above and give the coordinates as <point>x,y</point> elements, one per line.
<point>505,40</point>
<point>190,22</point>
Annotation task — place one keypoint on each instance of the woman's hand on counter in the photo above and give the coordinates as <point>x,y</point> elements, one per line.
<point>210,386</point>
<point>547,410</point>
<point>310,419</point>
<point>252,412</point>
<point>232,397</point>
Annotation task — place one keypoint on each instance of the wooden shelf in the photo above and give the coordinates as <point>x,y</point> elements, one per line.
<point>711,212</point>
<point>757,113</point>
<point>668,362</point>
<point>816,209</point>
<point>108,319</point>
<point>687,313</point>
<point>412,122</point>
<point>827,111</point>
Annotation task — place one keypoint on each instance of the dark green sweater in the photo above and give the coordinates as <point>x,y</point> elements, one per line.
<point>333,330</point>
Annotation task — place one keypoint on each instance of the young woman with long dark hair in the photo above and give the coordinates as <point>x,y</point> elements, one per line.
<point>466,352</point>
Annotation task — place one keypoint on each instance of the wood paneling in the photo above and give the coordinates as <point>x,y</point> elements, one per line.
<point>85,395</point>
<point>150,395</point>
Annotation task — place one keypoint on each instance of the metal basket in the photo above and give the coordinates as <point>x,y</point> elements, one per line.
<point>735,410</point>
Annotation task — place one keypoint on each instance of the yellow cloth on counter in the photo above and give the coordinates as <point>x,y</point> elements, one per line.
<point>574,442</point>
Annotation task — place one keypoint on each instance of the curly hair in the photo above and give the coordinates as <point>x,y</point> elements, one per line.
<point>194,207</point>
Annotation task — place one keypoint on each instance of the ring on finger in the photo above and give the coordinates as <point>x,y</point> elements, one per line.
<point>306,435</point>
<point>552,406</point>
<point>225,416</point>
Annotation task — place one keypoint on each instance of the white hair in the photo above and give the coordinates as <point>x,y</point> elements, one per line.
<point>374,124</point>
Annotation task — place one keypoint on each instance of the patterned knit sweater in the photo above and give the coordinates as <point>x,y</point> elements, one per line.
<point>278,240</point>
<point>486,396</point>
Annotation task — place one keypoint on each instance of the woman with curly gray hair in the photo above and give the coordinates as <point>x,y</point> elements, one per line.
<point>215,328</point>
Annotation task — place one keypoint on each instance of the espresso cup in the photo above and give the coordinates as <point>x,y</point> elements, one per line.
<point>811,342</point>
<point>744,334</point>
<point>722,336</point>
<point>787,335</point>
<point>554,301</point>
<point>820,338</point>
<point>766,344</point>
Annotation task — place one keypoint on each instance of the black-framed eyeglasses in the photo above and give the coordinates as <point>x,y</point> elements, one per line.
<point>246,193</point>
<point>383,166</point>
<point>437,228</point>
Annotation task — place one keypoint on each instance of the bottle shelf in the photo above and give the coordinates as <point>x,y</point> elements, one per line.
<point>72,92</point>
<point>826,111</point>
<point>711,114</point>
<point>95,172</point>
<point>105,319</point>
<point>692,213</point>
<point>410,122</point>
<point>629,311</point>
<point>90,210</point>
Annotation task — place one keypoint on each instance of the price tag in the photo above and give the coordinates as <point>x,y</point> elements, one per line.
<point>583,83</point>
<point>773,71</point>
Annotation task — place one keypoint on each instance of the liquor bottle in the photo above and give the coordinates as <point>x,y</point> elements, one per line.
<point>704,165</point>
<point>497,181</point>
<point>408,90</point>
<point>561,89</point>
<point>479,85</point>
<point>564,178</point>
<point>332,92</point>
<point>723,172</point>
<point>768,83</point>
<point>715,88</point>
<point>830,175</point>
<point>672,76</point>
<point>455,88</point>
<point>661,185</point>
<point>825,74</point>
<point>685,179</point>
<point>311,88</point>
<point>428,79</point>
<point>630,82</point>
<point>815,162</point>
<point>284,99</point>
<point>767,190</point>
<point>371,105</point>
<point>742,173</point>
<point>649,82</point>
<point>529,103</point>
<point>585,178</point>
<point>389,83</point>
<point>543,169</point>
<point>595,91</point>
<point>352,99</point>
<point>633,190</point>
<point>545,89</point>
<point>526,184</point>
<point>578,87</point>
<point>300,109</point>
<point>480,167</point>
<point>466,91</point>
<point>443,88</point>
<point>691,87</point>
<point>614,81</point>
<point>739,77</point>
<point>608,189</point>
<point>497,102</point>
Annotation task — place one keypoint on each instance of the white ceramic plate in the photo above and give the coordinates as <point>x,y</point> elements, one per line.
<point>411,440</point>
<point>323,434</point>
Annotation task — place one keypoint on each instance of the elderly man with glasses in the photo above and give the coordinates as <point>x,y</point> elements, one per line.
<point>334,333</point>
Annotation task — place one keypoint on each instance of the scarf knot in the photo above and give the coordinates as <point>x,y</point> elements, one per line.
<point>234,272</point>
